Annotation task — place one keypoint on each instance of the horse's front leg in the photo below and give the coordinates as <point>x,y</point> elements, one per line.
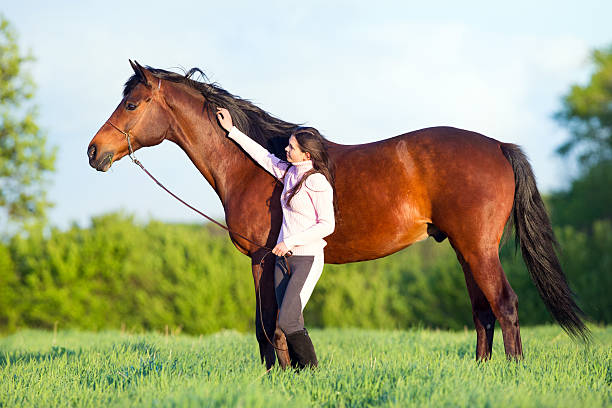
<point>266,309</point>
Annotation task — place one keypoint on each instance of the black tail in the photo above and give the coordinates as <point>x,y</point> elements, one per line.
<point>535,236</point>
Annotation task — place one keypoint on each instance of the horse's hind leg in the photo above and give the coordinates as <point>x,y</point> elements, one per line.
<point>489,276</point>
<point>484,319</point>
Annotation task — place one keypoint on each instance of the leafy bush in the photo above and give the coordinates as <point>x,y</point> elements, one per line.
<point>117,273</point>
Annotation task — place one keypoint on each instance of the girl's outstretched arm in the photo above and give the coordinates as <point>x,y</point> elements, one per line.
<point>264,158</point>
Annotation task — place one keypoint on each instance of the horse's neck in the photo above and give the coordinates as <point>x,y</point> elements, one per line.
<point>219,160</point>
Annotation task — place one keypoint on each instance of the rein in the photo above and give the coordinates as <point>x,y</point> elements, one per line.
<point>132,157</point>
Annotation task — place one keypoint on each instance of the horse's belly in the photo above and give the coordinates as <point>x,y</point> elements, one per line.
<point>373,241</point>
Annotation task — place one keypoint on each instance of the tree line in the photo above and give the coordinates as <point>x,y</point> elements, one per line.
<point>146,276</point>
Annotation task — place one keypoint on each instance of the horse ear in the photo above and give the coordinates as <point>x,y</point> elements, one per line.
<point>134,67</point>
<point>142,72</point>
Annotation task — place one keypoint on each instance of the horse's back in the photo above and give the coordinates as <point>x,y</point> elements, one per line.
<point>431,160</point>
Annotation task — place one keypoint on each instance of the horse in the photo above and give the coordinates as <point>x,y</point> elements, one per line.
<point>443,182</point>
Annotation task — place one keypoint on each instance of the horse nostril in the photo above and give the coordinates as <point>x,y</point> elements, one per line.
<point>91,152</point>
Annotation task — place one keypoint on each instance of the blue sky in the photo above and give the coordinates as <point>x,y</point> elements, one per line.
<point>357,72</point>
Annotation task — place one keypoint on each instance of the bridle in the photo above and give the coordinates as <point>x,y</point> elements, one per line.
<point>132,157</point>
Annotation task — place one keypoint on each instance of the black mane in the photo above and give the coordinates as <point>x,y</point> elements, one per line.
<point>272,133</point>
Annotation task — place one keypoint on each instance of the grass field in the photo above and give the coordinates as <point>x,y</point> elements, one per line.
<point>357,368</point>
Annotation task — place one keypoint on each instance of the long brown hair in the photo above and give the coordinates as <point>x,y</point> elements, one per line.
<point>310,141</point>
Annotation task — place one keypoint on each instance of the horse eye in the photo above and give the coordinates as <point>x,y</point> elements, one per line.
<point>130,106</point>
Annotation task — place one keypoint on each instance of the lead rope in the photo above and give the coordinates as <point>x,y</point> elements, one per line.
<point>132,157</point>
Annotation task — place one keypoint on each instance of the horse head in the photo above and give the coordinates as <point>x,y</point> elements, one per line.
<point>140,120</point>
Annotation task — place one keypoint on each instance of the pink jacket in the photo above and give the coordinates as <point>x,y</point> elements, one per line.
<point>311,215</point>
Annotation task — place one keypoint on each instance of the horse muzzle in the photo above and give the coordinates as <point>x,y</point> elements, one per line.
<point>100,162</point>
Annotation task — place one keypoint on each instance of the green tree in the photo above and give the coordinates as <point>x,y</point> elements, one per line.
<point>588,198</point>
<point>587,113</point>
<point>25,156</point>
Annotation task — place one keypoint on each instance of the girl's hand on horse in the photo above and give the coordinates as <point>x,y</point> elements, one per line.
<point>280,249</point>
<point>225,119</point>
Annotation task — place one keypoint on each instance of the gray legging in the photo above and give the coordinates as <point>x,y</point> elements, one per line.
<point>294,289</point>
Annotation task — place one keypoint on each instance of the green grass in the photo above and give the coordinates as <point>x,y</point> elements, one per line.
<point>357,368</point>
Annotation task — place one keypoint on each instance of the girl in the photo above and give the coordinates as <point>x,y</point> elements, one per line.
<point>307,202</point>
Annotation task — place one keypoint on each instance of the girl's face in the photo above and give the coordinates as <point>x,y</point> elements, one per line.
<point>294,153</point>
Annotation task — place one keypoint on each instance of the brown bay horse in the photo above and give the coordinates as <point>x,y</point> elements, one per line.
<point>441,182</point>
